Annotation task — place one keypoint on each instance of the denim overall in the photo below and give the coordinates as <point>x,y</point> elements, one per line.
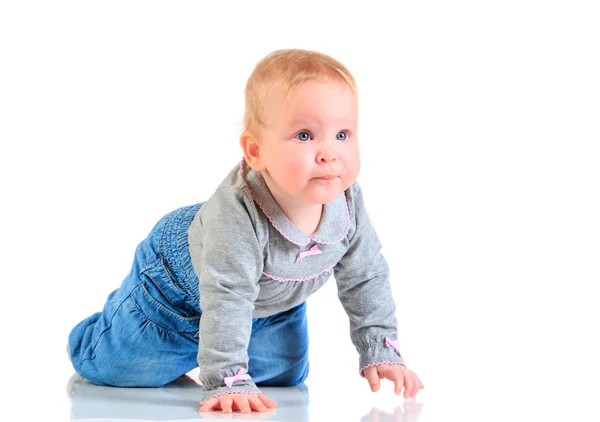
<point>147,333</point>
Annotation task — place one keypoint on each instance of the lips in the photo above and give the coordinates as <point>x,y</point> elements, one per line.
<point>326,177</point>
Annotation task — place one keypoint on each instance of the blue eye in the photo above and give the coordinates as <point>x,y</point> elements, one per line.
<point>342,136</point>
<point>303,136</point>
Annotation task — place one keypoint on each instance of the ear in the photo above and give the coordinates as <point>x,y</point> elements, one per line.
<point>251,149</point>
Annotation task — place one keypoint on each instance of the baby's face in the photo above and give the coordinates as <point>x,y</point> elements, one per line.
<point>309,142</point>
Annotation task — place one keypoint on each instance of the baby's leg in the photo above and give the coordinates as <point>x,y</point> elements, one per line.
<point>139,339</point>
<point>278,349</point>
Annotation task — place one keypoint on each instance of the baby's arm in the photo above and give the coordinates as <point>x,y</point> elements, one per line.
<point>229,267</point>
<point>362,276</point>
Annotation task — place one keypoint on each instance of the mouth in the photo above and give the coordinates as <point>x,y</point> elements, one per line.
<point>326,177</point>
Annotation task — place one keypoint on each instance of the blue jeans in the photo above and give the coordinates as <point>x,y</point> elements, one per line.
<point>147,333</point>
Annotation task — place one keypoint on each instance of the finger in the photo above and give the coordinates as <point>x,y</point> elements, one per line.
<point>418,385</point>
<point>271,404</point>
<point>397,378</point>
<point>372,377</point>
<point>210,404</point>
<point>409,386</point>
<point>226,402</point>
<point>256,404</point>
<point>241,403</point>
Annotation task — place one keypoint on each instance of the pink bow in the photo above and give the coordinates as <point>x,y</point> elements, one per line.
<point>241,375</point>
<point>392,343</point>
<point>312,251</point>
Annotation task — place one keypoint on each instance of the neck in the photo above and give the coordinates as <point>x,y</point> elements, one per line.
<point>304,215</point>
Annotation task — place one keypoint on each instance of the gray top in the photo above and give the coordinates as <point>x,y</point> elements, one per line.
<point>245,253</point>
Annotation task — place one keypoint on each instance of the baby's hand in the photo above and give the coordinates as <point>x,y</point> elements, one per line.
<point>401,377</point>
<point>245,403</point>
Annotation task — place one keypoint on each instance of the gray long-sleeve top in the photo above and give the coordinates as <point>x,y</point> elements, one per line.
<point>245,253</point>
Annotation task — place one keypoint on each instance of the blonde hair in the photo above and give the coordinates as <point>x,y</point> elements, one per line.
<point>286,69</point>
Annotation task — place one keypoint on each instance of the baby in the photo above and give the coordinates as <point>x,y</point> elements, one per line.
<point>223,284</point>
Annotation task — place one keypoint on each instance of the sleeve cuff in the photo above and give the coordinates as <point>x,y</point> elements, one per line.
<point>381,352</point>
<point>240,387</point>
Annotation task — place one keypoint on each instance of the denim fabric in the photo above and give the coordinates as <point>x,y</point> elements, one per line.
<point>147,333</point>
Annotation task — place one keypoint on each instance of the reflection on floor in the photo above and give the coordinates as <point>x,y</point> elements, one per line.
<point>179,400</point>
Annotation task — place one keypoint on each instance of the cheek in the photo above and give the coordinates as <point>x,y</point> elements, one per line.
<point>295,160</point>
<point>284,165</point>
<point>293,171</point>
<point>351,160</point>
<point>356,168</point>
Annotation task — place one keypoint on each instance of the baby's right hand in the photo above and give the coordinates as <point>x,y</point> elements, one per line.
<point>245,403</point>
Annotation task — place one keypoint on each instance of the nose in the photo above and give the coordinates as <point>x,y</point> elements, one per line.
<point>326,154</point>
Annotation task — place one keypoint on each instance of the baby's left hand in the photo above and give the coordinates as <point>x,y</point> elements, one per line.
<point>399,374</point>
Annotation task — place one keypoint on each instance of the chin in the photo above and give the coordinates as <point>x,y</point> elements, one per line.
<point>323,198</point>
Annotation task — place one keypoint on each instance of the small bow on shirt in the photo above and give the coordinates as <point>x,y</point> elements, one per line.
<point>241,375</point>
<point>312,251</point>
<point>392,343</point>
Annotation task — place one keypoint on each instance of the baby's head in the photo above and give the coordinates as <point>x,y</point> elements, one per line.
<point>301,126</point>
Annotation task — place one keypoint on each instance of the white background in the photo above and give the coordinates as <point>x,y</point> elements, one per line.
<point>480,140</point>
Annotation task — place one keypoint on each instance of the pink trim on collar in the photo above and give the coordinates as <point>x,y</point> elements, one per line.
<point>310,237</point>
<point>325,242</point>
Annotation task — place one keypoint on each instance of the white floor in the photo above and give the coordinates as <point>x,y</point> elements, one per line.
<point>479,360</point>
<point>467,377</point>
<point>178,401</point>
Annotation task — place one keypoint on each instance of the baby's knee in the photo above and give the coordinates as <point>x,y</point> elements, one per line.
<point>299,373</point>
<point>111,373</point>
